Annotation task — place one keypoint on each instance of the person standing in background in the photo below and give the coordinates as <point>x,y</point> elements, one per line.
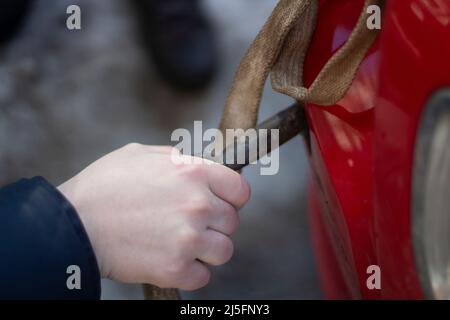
<point>176,33</point>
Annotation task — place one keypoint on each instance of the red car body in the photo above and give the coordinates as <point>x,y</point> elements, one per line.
<point>362,149</point>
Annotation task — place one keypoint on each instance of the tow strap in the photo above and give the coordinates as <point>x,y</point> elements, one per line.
<point>280,50</point>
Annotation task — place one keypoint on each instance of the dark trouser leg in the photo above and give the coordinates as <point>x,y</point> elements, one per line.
<point>180,41</point>
<point>12,16</point>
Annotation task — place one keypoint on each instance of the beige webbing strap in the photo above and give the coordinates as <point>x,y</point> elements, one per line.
<point>155,293</point>
<point>280,48</point>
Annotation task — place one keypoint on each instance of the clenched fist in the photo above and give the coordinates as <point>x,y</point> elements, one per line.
<point>153,220</point>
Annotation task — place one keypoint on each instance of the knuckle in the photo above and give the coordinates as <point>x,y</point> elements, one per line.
<point>173,152</point>
<point>189,238</point>
<point>202,207</point>
<point>175,271</point>
<point>192,171</point>
<point>133,146</point>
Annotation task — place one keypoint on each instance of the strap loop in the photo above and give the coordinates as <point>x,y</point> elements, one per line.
<point>280,49</point>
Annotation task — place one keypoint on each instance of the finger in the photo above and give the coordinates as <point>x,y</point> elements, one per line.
<point>225,218</point>
<point>197,277</point>
<point>217,248</point>
<point>228,185</point>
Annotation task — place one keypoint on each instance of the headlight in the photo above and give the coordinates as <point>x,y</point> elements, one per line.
<point>431,197</point>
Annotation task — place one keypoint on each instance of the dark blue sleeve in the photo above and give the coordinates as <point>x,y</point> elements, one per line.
<point>41,235</point>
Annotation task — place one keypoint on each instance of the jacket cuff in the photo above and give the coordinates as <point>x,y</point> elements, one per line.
<point>45,244</point>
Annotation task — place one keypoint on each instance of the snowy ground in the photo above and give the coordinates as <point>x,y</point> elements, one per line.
<point>67,98</point>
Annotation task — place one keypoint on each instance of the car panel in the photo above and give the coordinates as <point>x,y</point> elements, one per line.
<point>361,149</point>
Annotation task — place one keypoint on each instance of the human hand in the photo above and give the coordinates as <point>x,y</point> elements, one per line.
<point>153,221</point>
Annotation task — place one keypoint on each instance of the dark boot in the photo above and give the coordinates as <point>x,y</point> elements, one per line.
<point>12,16</point>
<point>180,41</point>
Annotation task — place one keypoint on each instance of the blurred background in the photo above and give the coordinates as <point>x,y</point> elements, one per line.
<point>69,97</point>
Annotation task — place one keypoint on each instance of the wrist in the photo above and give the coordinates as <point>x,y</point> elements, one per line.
<point>68,190</point>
